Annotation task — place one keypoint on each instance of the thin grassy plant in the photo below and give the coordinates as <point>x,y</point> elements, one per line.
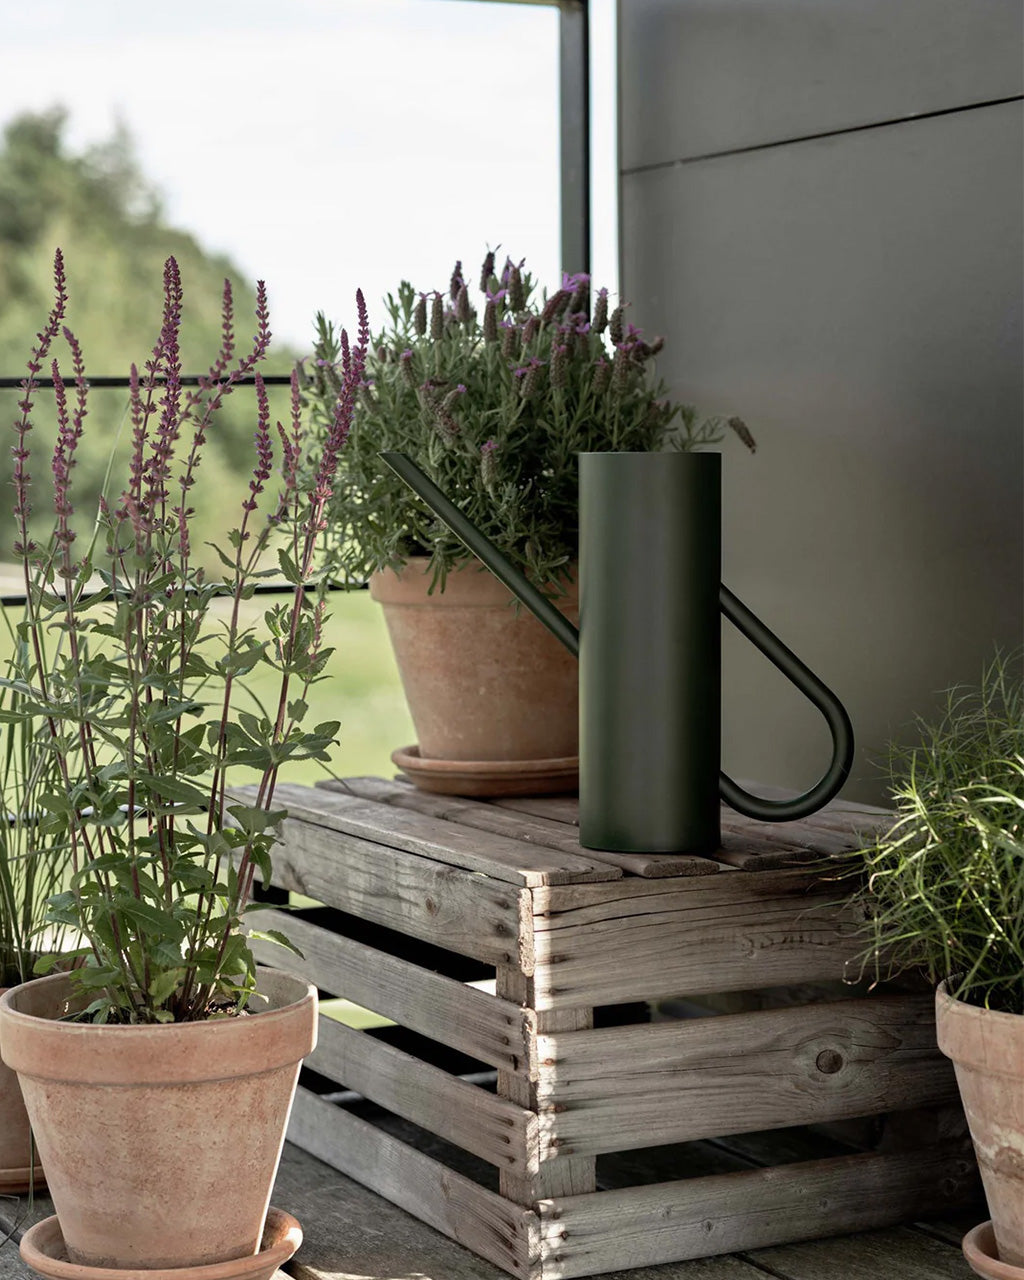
<point>945,887</point>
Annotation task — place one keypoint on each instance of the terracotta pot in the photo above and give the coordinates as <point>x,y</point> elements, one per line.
<point>161,1143</point>
<point>15,1137</point>
<point>483,678</point>
<point>987,1049</point>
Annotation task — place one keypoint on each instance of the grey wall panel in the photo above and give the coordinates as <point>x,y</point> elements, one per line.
<point>702,76</point>
<point>858,301</point>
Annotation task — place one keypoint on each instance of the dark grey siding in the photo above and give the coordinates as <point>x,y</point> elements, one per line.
<point>857,299</point>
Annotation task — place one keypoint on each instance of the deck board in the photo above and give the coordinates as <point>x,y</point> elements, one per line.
<point>353,1234</point>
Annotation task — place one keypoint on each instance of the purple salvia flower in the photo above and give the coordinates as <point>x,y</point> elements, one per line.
<point>264,449</point>
<point>62,460</point>
<point>456,283</point>
<point>342,421</point>
<point>166,360</point>
<point>419,316</point>
<point>227,334</point>
<point>24,546</point>
<point>436,318</point>
<point>600,322</point>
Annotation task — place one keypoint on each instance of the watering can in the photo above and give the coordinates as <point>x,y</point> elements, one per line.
<point>649,649</point>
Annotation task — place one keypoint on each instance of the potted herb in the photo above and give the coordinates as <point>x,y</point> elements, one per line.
<point>161,1070</point>
<point>32,868</point>
<point>946,894</point>
<point>494,401</point>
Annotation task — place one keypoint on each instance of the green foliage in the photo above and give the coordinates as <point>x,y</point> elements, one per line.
<point>131,696</point>
<point>946,882</point>
<point>33,864</point>
<point>494,409</point>
<point>107,216</point>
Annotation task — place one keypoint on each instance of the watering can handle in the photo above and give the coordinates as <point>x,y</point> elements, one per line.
<point>815,691</point>
<point>734,609</point>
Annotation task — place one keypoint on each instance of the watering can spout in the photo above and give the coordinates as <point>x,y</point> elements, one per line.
<point>681,671</point>
<point>520,586</point>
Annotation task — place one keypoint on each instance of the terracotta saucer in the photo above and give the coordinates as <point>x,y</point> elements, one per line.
<point>556,776</point>
<point>42,1247</point>
<point>979,1247</point>
<point>17,1181</point>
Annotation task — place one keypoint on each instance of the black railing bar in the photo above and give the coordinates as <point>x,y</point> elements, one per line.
<point>17,599</point>
<point>186,380</point>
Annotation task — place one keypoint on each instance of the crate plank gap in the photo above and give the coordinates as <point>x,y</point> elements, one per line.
<point>423,895</point>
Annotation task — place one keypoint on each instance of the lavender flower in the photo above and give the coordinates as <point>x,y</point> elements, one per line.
<point>516,293</point>
<point>509,339</point>
<point>419,318</point>
<point>600,321</point>
<point>559,365</point>
<point>615,325</point>
<point>490,325</point>
<point>436,318</point>
<point>408,373</point>
<point>486,271</point>
<point>463,311</point>
<point>489,463</point>
<point>555,305</point>
<point>456,283</point>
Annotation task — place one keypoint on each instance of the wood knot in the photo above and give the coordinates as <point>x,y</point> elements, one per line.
<point>829,1061</point>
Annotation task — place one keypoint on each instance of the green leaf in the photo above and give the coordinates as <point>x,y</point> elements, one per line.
<point>275,935</point>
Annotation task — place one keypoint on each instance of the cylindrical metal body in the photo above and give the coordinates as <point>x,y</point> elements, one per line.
<point>650,651</point>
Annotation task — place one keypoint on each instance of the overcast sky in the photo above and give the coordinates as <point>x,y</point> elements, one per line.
<point>325,144</point>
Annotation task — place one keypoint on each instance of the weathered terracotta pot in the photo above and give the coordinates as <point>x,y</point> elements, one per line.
<point>483,678</point>
<point>161,1143</point>
<point>987,1049</point>
<point>16,1175</point>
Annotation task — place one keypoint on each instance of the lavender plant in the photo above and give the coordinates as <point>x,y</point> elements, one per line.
<point>135,693</point>
<point>493,403</point>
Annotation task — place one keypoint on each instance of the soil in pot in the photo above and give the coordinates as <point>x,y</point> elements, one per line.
<point>485,681</point>
<point>161,1143</point>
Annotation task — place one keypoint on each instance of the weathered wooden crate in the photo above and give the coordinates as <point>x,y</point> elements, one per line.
<point>513,1118</point>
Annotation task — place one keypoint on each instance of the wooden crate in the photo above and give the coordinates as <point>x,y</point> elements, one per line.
<point>515,1119</point>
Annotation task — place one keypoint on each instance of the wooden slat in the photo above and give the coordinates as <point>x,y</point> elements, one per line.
<point>492,855</point>
<point>652,939</point>
<point>480,1025</point>
<point>573,1175</point>
<point>503,1233</point>
<point>469,914</point>
<point>624,1087</point>
<point>697,1217</point>
<point>564,809</point>
<point>492,1128</point>
<point>523,827</point>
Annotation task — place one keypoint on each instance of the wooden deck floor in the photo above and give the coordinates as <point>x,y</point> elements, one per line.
<point>352,1234</point>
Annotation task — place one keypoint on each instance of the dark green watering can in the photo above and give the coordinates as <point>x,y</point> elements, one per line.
<point>649,647</point>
